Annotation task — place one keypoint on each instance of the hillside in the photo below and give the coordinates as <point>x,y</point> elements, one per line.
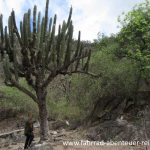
<point>55,88</point>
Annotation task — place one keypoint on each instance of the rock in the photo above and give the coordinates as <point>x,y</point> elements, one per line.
<point>17,137</point>
<point>67,122</point>
<point>6,144</point>
<point>74,124</point>
<point>43,146</point>
<point>53,132</point>
<point>92,134</point>
<point>121,121</point>
<point>114,130</point>
<point>14,143</point>
<point>59,124</point>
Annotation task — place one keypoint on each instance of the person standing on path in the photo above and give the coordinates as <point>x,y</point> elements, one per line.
<point>28,132</point>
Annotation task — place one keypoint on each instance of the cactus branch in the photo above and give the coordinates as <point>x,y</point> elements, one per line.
<point>15,28</point>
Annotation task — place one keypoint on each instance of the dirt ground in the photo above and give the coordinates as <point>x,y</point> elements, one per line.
<point>58,137</point>
<point>61,147</point>
<point>100,148</point>
<point>64,135</point>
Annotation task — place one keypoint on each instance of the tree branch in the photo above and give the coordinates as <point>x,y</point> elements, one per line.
<point>82,72</point>
<point>71,62</point>
<point>23,89</point>
<point>49,79</point>
<point>60,71</point>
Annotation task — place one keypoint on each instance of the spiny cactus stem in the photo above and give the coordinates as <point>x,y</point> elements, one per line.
<point>1,28</point>
<point>78,45</point>
<point>69,18</point>
<point>15,28</point>
<point>46,20</point>
<point>34,25</point>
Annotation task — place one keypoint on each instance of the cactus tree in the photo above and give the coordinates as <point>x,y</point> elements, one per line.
<point>37,54</point>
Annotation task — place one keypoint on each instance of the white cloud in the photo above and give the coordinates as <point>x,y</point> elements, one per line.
<point>98,15</point>
<point>6,7</point>
<point>89,16</point>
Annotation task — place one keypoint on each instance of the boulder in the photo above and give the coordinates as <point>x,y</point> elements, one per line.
<point>115,130</point>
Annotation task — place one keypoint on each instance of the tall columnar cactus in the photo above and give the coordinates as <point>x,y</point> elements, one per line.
<point>37,54</point>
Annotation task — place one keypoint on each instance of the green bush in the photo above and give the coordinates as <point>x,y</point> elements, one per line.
<point>17,100</point>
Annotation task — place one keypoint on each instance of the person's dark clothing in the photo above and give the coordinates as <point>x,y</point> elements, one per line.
<point>28,128</point>
<point>29,139</point>
<point>29,134</point>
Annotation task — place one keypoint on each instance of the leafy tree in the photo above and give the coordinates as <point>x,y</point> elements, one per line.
<point>114,89</point>
<point>135,36</point>
<point>40,56</point>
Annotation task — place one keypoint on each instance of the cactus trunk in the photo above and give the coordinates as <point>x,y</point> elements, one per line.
<point>43,116</point>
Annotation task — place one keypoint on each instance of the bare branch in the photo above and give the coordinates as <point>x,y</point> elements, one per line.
<point>23,89</point>
<point>71,62</point>
<point>62,70</point>
<point>82,72</point>
<point>49,79</point>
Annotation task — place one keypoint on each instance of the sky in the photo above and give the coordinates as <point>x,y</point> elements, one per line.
<point>89,16</point>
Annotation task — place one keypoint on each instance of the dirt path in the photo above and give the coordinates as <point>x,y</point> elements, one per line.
<point>61,147</point>
<point>19,146</point>
<point>60,136</point>
<point>100,148</point>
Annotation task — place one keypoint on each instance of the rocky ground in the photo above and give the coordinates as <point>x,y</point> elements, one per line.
<point>15,140</point>
<point>58,138</point>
